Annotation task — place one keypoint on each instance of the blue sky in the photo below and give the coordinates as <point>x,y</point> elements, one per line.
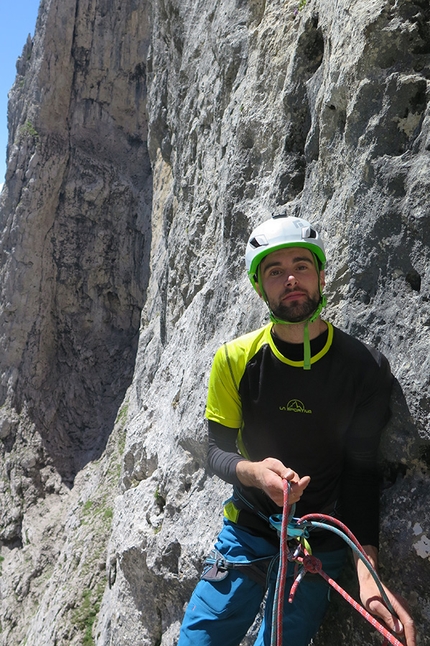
<point>17,20</point>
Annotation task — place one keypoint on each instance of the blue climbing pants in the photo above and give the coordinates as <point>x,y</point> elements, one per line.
<point>220,613</point>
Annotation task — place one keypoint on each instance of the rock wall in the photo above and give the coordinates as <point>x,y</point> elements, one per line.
<point>146,139</point>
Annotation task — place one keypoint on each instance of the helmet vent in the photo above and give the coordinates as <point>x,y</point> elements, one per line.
<point>308,232</point>
<point>258,241</point>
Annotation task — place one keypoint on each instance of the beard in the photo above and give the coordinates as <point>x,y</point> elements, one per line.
<point>296,311</point>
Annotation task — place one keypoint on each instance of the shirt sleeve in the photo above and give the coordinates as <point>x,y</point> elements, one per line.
<point>222,452</point>
<point>223,402</point>
<point>360,483</point>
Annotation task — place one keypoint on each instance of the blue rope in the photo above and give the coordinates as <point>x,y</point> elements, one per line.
<point>336,530</point>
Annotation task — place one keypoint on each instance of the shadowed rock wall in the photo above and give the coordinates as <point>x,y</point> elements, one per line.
<point>321,110</point>
<point>76,219</point>
<point>75,235</point>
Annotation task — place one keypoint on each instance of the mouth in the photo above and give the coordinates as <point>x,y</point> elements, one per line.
<point>292,296</point>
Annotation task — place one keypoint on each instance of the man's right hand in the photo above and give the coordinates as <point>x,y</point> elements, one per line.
<point>268,475</point>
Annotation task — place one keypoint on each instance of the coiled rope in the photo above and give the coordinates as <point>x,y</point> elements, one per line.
<point>313,565</point>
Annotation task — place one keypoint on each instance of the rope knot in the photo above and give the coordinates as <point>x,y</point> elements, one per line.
<point>312,564</point>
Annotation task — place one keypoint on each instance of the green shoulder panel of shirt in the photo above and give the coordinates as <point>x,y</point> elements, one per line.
<point>223,402</point>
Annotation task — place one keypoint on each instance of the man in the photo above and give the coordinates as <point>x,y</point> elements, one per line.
<point>302,401</point>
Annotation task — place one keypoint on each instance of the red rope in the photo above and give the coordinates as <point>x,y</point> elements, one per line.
<point>313,565</point>
<point>283,564</point>
<point>335,521</point>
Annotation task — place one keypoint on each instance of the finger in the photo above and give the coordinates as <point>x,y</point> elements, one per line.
<point>290,475</point>
<point>301,485</point>
<point>303,482</point>
<point>410,632</point>
<point>296,489</point>
<point>378,608</point>
<point>405,620</point>
<point>401,626</point>
<point>295,480</point>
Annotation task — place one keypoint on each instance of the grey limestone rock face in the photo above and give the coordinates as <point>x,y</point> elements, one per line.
<point>146,140</point>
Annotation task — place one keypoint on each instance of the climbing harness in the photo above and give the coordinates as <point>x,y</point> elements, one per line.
<point>290,528</point>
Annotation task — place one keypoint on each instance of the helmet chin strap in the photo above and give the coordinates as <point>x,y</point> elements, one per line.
<point>310,319</point>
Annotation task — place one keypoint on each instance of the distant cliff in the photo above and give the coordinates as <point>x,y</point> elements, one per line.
<point>145,141</point>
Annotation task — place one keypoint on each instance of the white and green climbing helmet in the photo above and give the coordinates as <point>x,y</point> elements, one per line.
<point>279,232</point>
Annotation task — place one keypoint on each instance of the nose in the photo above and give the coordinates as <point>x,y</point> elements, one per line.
<point>290,279</point>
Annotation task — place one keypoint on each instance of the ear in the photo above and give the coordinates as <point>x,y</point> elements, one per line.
<point>258,290</point>
<point>322,279</point>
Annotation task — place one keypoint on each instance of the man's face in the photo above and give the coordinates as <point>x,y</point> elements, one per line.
<point>291,283</point>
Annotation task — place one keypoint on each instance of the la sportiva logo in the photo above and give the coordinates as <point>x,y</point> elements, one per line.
<point>296,406</point>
